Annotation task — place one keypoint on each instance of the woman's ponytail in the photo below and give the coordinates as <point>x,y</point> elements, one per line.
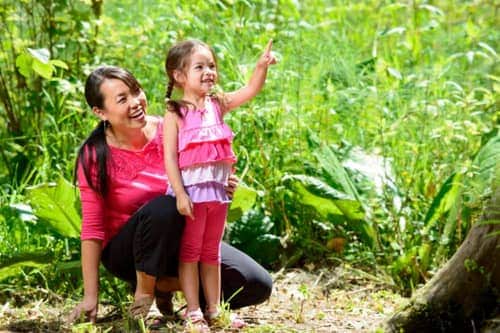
<point>93,157</point>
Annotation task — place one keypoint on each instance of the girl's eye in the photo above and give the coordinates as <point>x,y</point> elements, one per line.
<point>122,100</point>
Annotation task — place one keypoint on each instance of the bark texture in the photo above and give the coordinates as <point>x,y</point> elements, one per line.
<point>466,289</point>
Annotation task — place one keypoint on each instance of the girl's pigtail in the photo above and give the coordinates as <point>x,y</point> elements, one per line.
<point>172,105</point>
<point>170,88</point>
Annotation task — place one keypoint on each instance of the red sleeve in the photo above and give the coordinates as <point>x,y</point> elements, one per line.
<point>92,209</point>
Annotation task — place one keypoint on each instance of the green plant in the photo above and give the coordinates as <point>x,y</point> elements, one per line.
<point>379,122</point>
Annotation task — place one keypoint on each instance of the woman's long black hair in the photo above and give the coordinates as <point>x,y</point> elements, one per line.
<point>93,155</point>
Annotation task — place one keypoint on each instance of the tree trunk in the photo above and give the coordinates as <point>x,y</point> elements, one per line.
<point>466,289</point>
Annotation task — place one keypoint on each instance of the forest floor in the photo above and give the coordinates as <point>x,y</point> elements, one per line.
<point>341,299</point>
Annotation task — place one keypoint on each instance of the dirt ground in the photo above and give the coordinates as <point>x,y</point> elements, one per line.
<point>342,299</point>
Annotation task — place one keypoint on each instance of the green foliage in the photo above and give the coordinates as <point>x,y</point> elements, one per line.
<point>378,126</point>
<point>443,201</point>
<point>37,62</point>
<point>243,200</point>
<point>12,266</point>
<point>486,163</point>
<point>43,48</point>
<point>56,205</point>
<point>436,241</point>
<point>254,234</point>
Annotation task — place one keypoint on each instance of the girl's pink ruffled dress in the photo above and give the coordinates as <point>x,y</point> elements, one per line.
<point>205,153</point>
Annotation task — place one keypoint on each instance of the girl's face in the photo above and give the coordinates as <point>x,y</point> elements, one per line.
<point>200,75</point>
<point>122,108</point>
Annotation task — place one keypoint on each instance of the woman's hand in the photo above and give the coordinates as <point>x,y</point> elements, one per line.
<point>232,184</point>
<point>184,205</point>
<point>88,307</point>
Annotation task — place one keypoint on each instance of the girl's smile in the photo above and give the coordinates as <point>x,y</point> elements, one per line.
<point>200,76</point>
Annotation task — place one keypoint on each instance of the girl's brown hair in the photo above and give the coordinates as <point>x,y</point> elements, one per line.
<point>178,58</point>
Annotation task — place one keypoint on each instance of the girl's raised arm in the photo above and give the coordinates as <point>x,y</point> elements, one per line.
<point>256,82</point>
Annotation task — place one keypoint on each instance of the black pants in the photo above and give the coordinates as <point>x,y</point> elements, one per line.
<point>149,242</point>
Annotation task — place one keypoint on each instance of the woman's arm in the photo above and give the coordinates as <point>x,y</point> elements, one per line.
<point>232,184</point>
<point>91,248</point>
<point>91,256</point>
<point>256,82</point>
<point>170,131</point>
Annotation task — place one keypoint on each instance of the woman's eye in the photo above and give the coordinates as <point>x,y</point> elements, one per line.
<point>122,100</point>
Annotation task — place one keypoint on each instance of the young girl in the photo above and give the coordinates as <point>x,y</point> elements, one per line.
<point>198,160</point>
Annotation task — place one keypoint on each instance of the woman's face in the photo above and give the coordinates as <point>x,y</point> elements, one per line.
<point>122,108</point>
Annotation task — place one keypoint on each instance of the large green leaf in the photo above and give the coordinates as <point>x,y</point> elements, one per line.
<point>443,201</point>
<point>318,187</point>
<point>243,199</point>
<point>45,70</point>
<point>23,64</point>
<point>12,265</point>
<point>55,205</point>
<point>334,171</point>
<point>37,60</point>
<point>326,207</point>
<point>487,161</point>
<point>332,204</point>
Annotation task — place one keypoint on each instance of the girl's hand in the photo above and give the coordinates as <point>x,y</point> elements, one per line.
<point>267,58</point>
<point>184,205</point>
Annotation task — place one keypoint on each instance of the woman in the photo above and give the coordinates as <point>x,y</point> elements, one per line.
<point>129,224</point>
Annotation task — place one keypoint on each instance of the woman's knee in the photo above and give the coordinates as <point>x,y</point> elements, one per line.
<point>262,287</point>
<point>163,209</point>
<point>161,215</point>
<point>250,293</point>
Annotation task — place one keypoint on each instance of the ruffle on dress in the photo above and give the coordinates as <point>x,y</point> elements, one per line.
<point>195,135</point>
<point>205,183</point>
<point>217,172</point>
<point>207,192</point>
<point>204,192</point>
<point>206,152</point>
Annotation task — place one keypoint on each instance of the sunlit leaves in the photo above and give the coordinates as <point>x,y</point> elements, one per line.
<point>56,206</point>
<point>444,201</point>
<point>243,199</point>
<point>486,163</point>
<point>38,61</point>
<point>12,265</point>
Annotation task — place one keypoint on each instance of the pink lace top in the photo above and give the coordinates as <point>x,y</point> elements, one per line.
<point>205,153</point>
<point>134,177</point>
